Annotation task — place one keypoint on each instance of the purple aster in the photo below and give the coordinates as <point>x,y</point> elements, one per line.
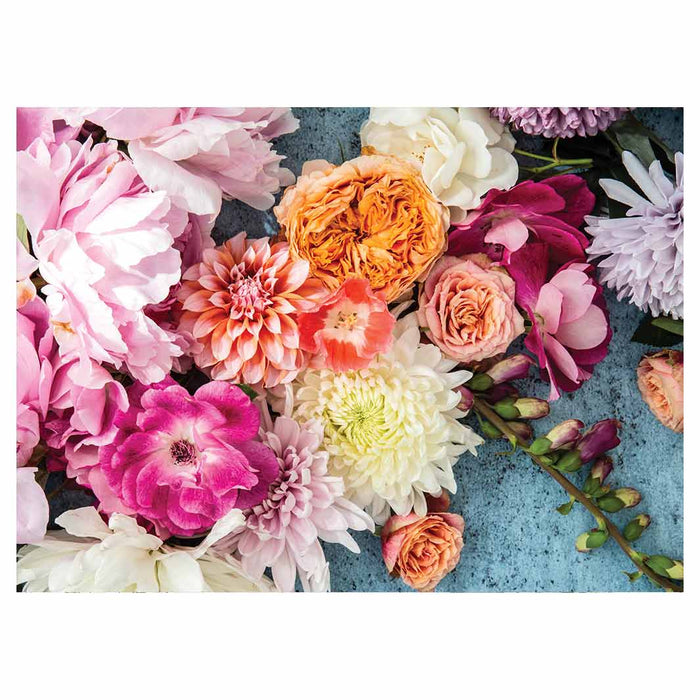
<point>643,251</point>
<point>563,122</point>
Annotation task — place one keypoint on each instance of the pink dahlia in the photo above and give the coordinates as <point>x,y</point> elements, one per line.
<point>105,246</point>
<point>304,504</point>
<point>570,328</point>
<point>182,462</point>
<point>549,212</point>
<point>241,304</point>
<point>348,329</point>
<point>563,122</point>
<point>198,154</point>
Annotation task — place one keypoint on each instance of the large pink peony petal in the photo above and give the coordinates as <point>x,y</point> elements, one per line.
<point>587,331</point>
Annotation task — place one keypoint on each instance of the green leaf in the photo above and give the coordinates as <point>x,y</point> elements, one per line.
<point>633,576</point>
<point>248,391</point>
<point>22,232</point>
<point>649,333</point>
<point>565,508</point>
<point>669,324</point>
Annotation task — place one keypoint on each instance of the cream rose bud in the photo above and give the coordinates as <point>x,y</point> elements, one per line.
<point>660,379</point>
<point>467,308</point>
<point>462,153</point>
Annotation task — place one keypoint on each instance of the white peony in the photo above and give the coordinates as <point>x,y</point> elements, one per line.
<point>91,556</point>
<point>462,153</point>
<point>391,430</point>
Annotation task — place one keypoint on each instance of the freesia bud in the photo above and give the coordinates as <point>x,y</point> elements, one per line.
<point>438,504</point>
<point>506,409</point>
<point>598,439</point>
<point>522,430</point>
<point>480,382</point>
<point>618,499</point>
<point>669,568</point>
<point>599,473</point>
<point>513,367</point>
<point>559,436</point>
<point>592,539</point>
<point>635,527</point>
<point>501,391</point>
<point>466,400</point>
<point>532,408</point>
<point>490,430</point>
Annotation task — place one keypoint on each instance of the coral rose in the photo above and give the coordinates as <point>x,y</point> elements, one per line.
<point>373,216</point>
<point>660,379</point>
<point>422,550</point>
<point>240,306</point>
<point>468,308</point>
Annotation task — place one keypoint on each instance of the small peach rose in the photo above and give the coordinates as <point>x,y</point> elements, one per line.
<point>422,550</point>
<point>660,379</point>
<point>468,308</point>
<point>373,216</point>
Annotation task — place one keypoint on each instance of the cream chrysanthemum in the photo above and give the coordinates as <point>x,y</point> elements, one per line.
<point>391,430</point>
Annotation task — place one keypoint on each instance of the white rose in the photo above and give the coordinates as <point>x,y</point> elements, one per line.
<point>462,153</point>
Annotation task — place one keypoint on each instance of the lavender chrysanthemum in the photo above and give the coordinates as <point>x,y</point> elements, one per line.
<point>645,249</point>
<point>563,122</point>
<point>305,504</point>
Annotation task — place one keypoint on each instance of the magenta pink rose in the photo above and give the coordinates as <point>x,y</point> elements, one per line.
<point>106,248</point>
<point>182,462</point>
<point>468,309</point>
<point>198,154</point>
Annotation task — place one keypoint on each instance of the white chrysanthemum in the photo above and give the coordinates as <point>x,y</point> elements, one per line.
<point>462,153</point>
<point>391,430</point>
<point>91,556</point>
<point>645,249</point>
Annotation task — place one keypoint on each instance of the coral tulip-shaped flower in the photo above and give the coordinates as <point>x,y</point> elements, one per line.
<point>468,308</point>
<point>240,303</point>
<point>570,332</point>
<point>182,462</point>
<point>305,504</point>
<point>348,329</point>
<point>422,550</point>
<point>373,216</point>
<point>660,380</point>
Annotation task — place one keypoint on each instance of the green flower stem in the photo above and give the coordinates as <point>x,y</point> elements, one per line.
<point>534,155</point>
<point>485,410</point>
<point>555,162</point>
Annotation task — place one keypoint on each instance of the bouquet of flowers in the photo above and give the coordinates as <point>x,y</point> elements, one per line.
<point>233,409</point>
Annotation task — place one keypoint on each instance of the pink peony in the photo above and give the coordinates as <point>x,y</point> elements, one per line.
<point>348,329</point>
<point>570,331</point>
<point>548,212</point>
<point>26,266</point>
<point>304,504</point>
<point>198,154</point>
<point>241,303</point>
<point>43,123</point>
<point>32,508</point>
<point>105,246</point>
<point>182,462</point>
<point>660,381</point>
<point>468,308</point>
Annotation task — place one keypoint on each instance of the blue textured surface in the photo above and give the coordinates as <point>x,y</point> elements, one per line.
<point>515,540</point>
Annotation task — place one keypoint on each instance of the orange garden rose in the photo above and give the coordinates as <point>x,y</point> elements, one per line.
<point>468,308</point>
<point>422,550</point>
<point>660,379</point>
<point>373,216</point>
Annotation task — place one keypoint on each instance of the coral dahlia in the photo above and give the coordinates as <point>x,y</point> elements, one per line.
<point>240,303</point>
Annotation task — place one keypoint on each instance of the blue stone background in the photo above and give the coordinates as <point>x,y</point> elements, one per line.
<point>515,540</point>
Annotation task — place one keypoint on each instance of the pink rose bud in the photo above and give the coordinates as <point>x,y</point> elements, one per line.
<point>466,400</point>
<point>660,379</point>
<point>422,550</point>
<point>561,436</point>
<point>513,367</point>
<point>532,408</point>
<point>619,498</point>
<point>599,473</point>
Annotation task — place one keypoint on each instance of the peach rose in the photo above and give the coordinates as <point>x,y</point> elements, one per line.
<point>422,550</point>
<point>660,379</point>
<point>373,216</point>
<point>468,308</point>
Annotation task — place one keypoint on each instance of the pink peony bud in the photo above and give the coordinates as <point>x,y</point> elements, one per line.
<point>422,550</point>
<point>467,399</point>
<point>660,379</point>
<point>513,367</point>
